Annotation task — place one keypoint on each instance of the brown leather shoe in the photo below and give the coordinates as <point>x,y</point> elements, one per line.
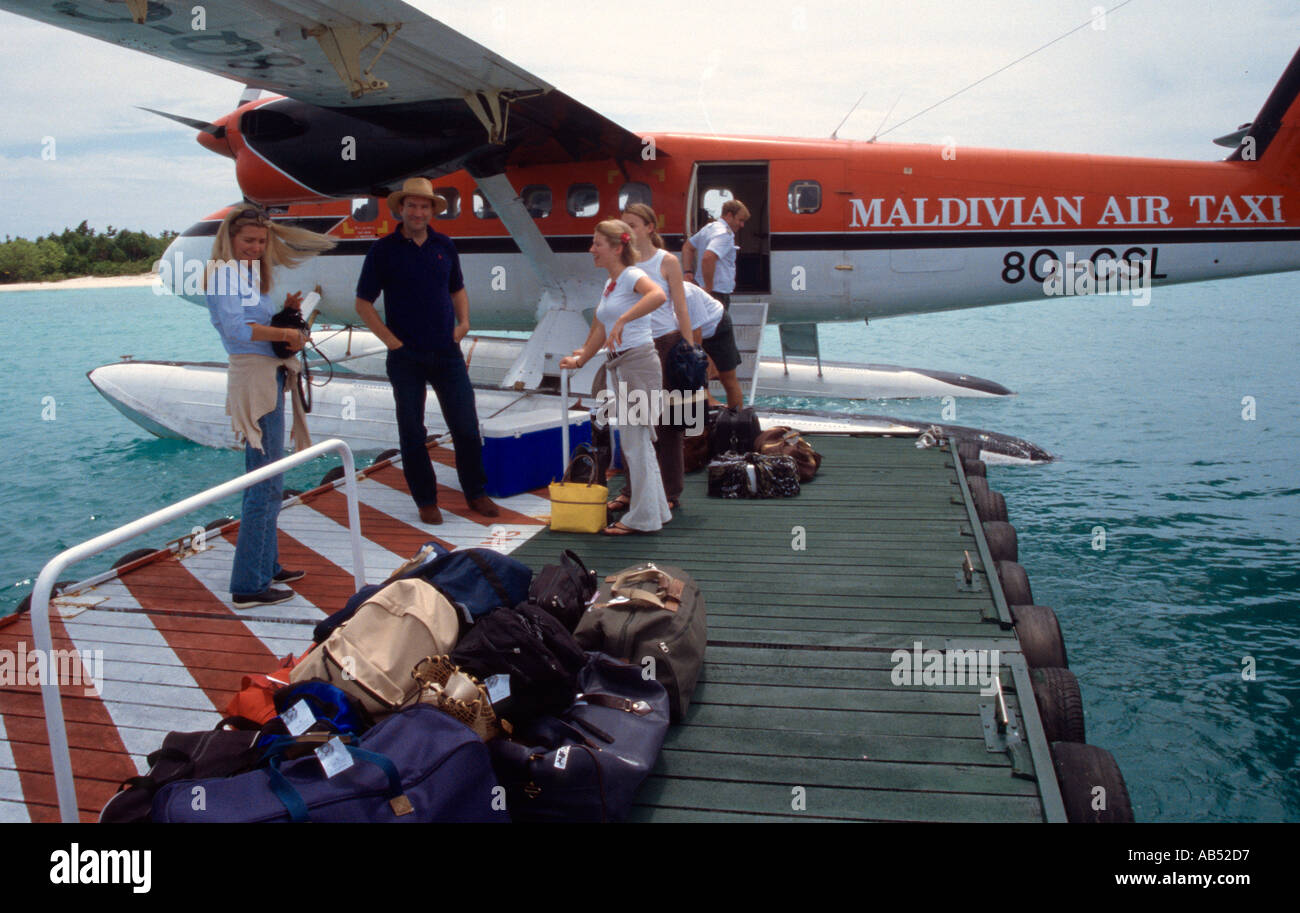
<point>430,514</point>
<point>483,505</point>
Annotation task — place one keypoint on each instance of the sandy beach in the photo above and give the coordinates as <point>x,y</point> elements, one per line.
<point>82,282</point>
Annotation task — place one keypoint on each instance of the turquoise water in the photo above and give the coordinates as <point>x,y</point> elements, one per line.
<point>1200,507</point>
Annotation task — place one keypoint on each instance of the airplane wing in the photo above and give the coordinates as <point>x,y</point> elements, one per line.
<point>357,56</point>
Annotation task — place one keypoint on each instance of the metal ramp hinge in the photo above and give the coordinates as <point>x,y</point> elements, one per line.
<point>343,44</point>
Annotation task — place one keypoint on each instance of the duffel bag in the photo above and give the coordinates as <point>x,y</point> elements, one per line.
<point>255,699</point>
<point>417,766</point>
<point>785,441</point>
<point>658,621</point>
<point>525,657</point>
<point>734,431</point>
<point>218,752</point>
<point>564,589</point>
<point>371,655</point>
<point>586,763</point>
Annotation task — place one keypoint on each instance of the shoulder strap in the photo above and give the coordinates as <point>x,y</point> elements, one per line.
<point>490,575</point>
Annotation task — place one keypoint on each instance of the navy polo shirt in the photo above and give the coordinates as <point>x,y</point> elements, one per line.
<point>417,281</point>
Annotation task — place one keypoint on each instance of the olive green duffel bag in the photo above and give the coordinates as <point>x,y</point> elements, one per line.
<point>651,616</point>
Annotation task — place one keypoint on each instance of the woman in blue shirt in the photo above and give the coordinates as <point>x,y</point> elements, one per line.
<point>247,249</point>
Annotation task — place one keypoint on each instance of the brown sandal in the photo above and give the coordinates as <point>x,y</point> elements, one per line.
<point>618,529</point>
<point>622,502</point>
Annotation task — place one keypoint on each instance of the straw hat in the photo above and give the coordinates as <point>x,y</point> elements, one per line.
<point>415,187</point>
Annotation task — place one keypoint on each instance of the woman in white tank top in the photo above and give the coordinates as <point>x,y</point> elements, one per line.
<point>633,373</point>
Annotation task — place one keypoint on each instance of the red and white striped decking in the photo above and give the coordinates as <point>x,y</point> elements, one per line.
<point>174,650</point>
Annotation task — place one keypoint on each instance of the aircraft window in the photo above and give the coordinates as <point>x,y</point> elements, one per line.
<point>481,207</point>
<point>537,200</point>
<point>713,200</point>
<point>634,192</point>
<point>452,196</point>
<point>804,196</point>
<point>365,209</point>
<point>583,200</point>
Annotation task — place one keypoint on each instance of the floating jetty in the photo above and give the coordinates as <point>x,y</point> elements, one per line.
<point>850,673</point>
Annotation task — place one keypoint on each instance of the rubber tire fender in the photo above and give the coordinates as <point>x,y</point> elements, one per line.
<point>1015,583</point>
<point>1060,704</point>
<point>1039,633</point>
<point>1002,540</point>
<point>1080,769</point>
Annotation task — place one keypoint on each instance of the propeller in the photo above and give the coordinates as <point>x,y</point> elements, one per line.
<point>213,130</point>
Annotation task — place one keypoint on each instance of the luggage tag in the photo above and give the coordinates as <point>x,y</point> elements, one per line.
<point>498,687</point>
<point>298,718</point>
<point>334,757</point>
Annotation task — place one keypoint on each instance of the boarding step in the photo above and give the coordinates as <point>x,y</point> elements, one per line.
<point>748,318</point>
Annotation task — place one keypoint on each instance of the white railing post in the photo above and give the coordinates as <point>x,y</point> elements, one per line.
<point>51,699</point>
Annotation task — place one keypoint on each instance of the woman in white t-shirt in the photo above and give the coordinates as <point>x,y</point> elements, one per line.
<point>632,370</point>
<point>668,323</point>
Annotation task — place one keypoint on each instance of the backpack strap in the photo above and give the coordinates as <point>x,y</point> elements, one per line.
<point>491,576</point>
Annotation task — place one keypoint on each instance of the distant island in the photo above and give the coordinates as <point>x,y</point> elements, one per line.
<point>80,251</point>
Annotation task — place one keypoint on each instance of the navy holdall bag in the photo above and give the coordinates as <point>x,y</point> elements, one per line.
<point>416,766</point>
<point>587,763</point>
<point>477,580</point>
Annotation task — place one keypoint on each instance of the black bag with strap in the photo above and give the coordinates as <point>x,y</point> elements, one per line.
<point>564,589</point>
<point>534,653</point>
<point>586,466</point>
<point>218,752</point>
<point>734,431</point>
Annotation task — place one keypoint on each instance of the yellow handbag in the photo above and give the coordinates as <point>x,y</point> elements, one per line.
<point>578,507</point>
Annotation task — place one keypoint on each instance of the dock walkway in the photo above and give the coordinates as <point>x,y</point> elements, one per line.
<point>797,715</point>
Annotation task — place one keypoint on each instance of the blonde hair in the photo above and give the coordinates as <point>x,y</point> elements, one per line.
<point>618,232</point>
<point>735,207</point>
<point>286,245</point>
<point>643,212</point>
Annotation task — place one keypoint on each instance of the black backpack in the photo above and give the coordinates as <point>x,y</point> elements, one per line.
<point>734,431</point>
<point>529,646</point>
<point>564,589</point>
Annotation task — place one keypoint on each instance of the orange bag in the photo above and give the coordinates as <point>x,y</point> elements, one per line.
<point>256,698</point>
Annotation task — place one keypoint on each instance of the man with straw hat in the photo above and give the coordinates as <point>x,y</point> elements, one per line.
<point>426,314</point>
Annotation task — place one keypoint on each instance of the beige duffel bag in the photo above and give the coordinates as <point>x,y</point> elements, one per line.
<point>372,654</point>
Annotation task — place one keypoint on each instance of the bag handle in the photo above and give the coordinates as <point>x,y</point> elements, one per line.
<point>297,808</point>
<point>615,702</point>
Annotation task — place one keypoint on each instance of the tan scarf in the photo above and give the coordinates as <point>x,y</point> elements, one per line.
<point>251,393</point>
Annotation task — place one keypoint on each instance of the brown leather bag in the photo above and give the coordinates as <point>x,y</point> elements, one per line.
<point>784,441</point>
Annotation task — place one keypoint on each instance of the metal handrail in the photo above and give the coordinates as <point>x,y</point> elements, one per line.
<point>51,699</point>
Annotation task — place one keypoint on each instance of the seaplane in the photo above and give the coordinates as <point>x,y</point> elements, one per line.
<point>346,99</point>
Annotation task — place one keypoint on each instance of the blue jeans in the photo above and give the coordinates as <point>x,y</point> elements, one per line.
<point>410,372</point>
<point>256,551</point>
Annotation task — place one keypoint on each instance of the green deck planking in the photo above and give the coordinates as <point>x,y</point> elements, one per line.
<point>796,717</point>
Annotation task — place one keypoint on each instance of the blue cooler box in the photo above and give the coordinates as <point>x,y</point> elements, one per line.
<point>522,450</point>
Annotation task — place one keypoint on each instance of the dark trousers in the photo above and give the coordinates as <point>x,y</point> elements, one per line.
<point>409,373</point>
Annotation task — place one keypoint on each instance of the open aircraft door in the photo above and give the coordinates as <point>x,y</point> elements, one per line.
<point>712,184</point>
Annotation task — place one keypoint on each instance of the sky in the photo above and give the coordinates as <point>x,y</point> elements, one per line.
<point>1149,78</point>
